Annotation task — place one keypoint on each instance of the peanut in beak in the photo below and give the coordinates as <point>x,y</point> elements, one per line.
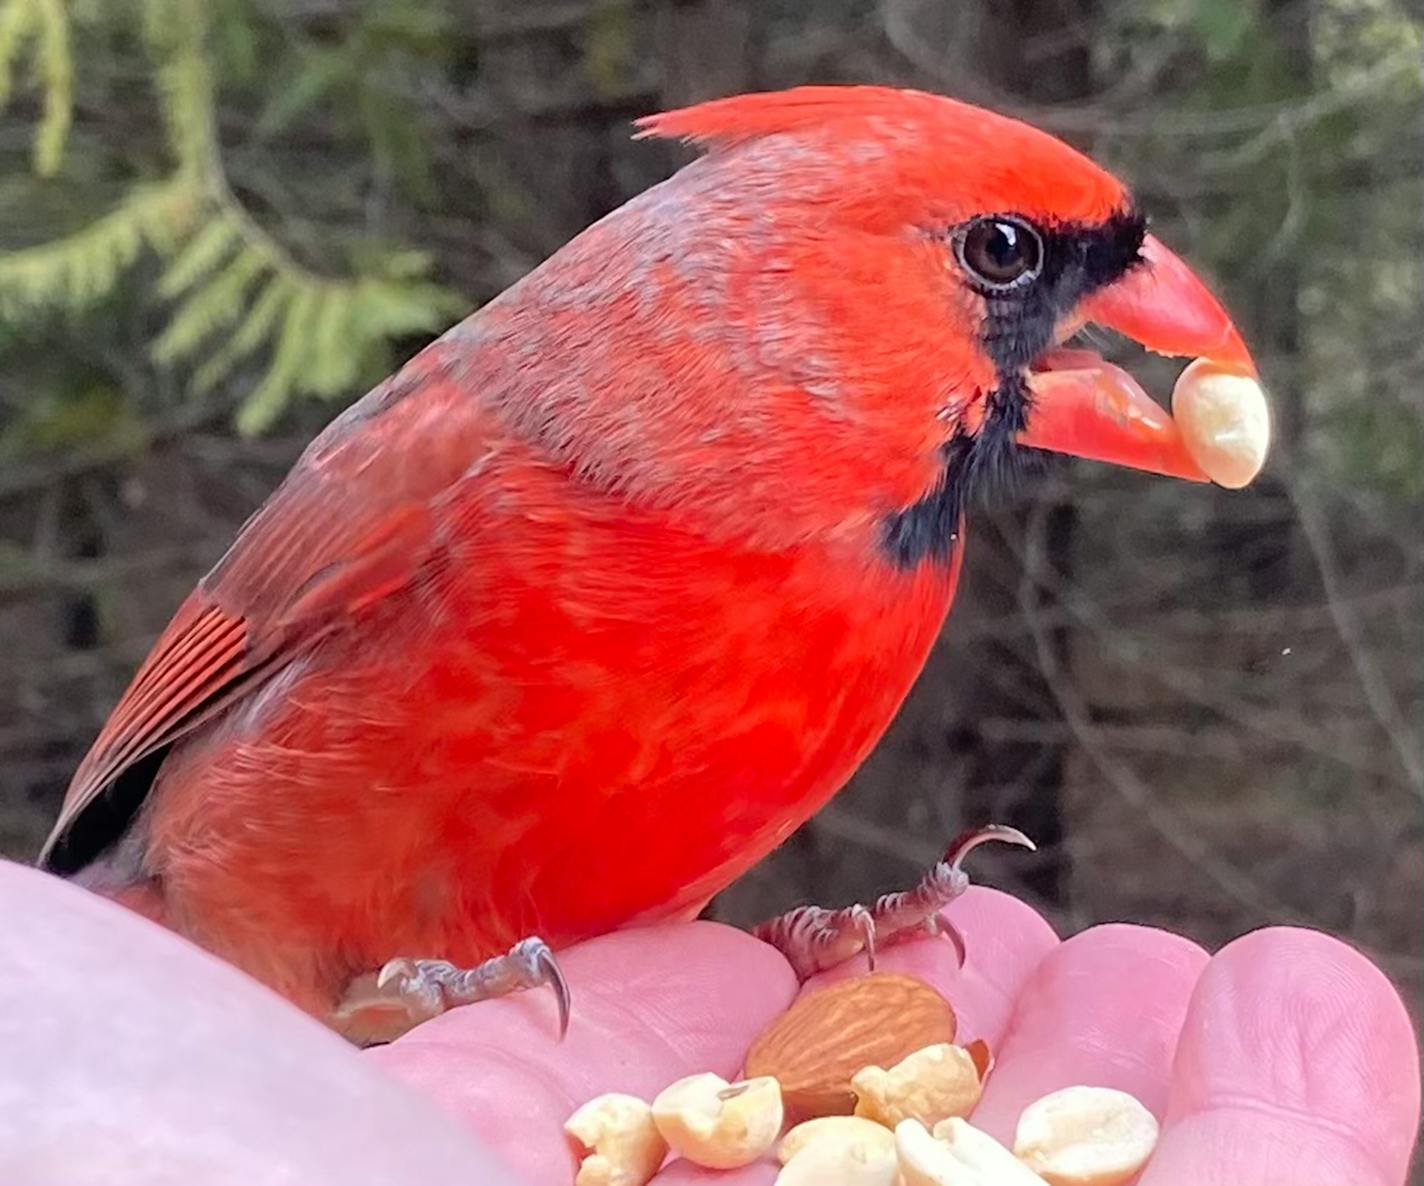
<point>1224,420</point>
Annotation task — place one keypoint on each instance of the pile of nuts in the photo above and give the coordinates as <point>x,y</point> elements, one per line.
<point>867,1073</point>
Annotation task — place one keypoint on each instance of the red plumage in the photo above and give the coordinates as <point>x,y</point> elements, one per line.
<point>585,610</point>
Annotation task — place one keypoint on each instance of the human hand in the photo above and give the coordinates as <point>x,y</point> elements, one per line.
<point>1294,1059</point>
<point>1285,1060</point>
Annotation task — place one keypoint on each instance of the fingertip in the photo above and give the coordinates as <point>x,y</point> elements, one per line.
<point>1103,1009</point>
<point>1298,1030</point>
<point>1009,937</point>
<point>1245,1147</point>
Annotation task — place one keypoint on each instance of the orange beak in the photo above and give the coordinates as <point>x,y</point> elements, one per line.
<point>1089,408</point>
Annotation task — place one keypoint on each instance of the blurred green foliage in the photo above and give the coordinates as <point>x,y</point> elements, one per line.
<point>177,235</point>
<point>46,23</point>
<point>222,215</point>
<point>169,212</point>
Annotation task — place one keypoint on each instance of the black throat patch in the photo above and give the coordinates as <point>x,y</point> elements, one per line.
<point>1018,327</point>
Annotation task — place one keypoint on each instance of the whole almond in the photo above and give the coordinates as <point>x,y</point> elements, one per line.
<point>815,1047</point>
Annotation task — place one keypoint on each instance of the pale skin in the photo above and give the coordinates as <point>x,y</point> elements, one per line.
<point>1287,1059</point>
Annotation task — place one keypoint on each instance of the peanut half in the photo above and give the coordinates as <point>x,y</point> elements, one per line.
<point>617,1141</point>
<point>1224,420</point>
<point>718,1124</point>
<point>1086,1136</point>
<point>958,1154</point>
<point>929,1085</point>
<point>840,1132</point>
<point>827,1164</point>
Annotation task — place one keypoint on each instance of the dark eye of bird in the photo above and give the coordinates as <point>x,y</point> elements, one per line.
<point>999,252</point>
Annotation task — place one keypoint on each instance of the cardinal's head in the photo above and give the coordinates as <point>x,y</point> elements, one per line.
<point>849,311</point>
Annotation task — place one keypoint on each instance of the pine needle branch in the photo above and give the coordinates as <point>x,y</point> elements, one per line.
<point>234,290</point>
<point>47,22</point>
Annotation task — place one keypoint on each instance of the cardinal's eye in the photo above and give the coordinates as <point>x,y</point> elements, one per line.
<point>999,252</point>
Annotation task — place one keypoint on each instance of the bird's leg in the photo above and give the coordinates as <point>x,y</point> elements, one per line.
<point>415,990</point>
<point>814,939</point>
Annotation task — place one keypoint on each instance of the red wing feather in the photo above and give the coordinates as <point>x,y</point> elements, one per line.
<point>193,660</point>
<point>351,525</point>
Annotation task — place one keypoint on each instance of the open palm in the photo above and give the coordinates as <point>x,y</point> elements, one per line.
<point>1285,1060</point>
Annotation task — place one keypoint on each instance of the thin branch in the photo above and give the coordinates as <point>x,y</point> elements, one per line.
<point>1120,777</point>
<point>25,479</point>
<point>1386,710</point>
<point>877,838</point>
<point>1268,122</point>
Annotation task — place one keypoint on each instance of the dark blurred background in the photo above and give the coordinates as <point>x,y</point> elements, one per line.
<point>220,220</point>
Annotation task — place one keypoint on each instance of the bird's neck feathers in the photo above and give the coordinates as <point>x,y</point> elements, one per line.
<point>743,359</point>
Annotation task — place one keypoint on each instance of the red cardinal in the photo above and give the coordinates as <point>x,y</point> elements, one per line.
<point>589,607</point>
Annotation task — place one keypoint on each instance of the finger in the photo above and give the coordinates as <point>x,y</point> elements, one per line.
<point>649,1006</point>
<point>1104,1009</point>
<point>1297,1067</point>
<point>1004,941</point>
<point>179,1069</point>
<point>682,1173</point>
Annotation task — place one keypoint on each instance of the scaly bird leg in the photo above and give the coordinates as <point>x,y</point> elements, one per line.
<point>814,939</point>
<point>419,989</point>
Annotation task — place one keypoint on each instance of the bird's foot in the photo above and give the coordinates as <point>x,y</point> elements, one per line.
<point>814,939</point>
<point>408,991</point>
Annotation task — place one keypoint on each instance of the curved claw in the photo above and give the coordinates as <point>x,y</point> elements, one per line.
<point>403,968</point>
<point>951,932</point>
<point>554,977</point>
<point>813,938</point>
<point>416,984</point>
<point>865,922</point>
<point>966,842</point>
<point>959,848</point>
